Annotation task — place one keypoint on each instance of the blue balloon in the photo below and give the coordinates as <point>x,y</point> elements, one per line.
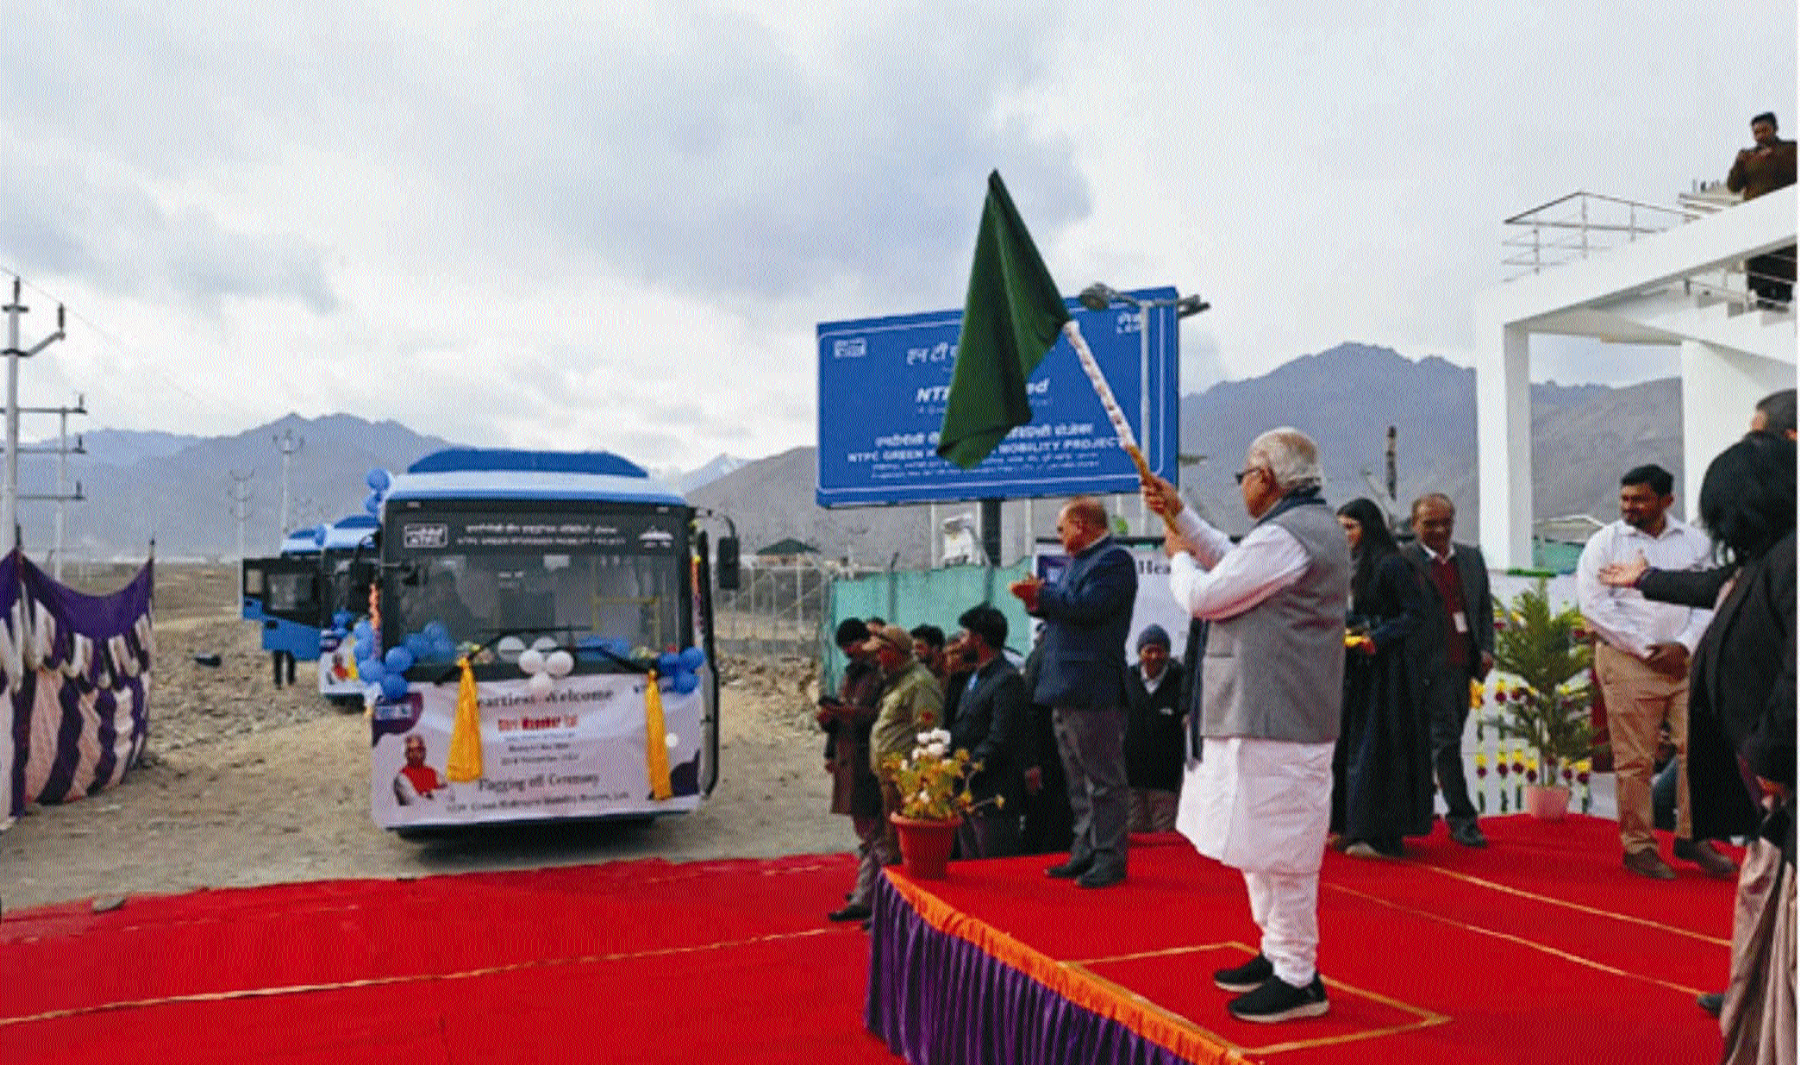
<point>393,686</point>
<point>417,643</point>
<point>363,630</point>
<point>342,619</point>
<point>668,663</point>
<point>398,660</point>
<point>370,670</point>
<point>373,504</point>
<point>436,632</point>
<point>693,658</point>
<point>443,650</point>
<point>685,682</point>
<point>378,479</point>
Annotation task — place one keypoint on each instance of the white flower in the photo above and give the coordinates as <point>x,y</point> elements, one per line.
<point>924,796</point>
<point>936,750</point>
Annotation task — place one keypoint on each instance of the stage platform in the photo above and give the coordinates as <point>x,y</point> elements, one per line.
<point>1539,948</point>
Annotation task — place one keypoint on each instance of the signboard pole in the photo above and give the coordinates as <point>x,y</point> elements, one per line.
<point>990,530</point>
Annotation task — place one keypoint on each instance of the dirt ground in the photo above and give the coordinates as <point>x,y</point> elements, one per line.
<point>245,784</point>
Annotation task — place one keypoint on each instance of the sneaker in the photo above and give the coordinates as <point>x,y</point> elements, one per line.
<point>1070,869</point>
<point>1277,1001</point>
<point>1362,849</point>
<point>1246,977</point>
<point>1468,834</point>
<point>852,912</point>
<point>1712,1002</point>
<point>1702,854</point>
<point>1646,863</point>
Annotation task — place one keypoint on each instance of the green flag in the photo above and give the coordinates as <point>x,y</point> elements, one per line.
<point>1012,318</point>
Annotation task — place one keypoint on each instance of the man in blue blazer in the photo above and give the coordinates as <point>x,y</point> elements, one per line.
<point>1087,616</point>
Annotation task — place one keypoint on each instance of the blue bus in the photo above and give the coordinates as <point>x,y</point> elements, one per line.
<point>349,560</point>
<point>284,594</point>
<point>544,647</point>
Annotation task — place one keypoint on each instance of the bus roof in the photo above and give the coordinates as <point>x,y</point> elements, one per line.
<point>305,541</point>
<point>498,473</point>
<point>347,533</point>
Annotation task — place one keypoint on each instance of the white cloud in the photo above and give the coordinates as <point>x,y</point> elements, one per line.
<point>617,226</point>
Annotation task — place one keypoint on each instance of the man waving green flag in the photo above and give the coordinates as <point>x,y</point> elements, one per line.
<point>1010,321</point>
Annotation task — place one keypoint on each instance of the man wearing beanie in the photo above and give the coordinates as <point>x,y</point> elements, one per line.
<point>1155,734</point>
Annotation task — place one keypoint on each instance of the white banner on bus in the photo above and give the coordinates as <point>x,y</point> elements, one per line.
<point>577,752</point>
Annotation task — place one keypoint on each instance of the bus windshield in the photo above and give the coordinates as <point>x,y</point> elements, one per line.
<point>615,578</point>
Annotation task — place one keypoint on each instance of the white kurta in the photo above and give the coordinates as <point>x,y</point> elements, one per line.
<point>1259,805</point>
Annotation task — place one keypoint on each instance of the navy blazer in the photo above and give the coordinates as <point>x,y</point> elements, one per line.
<point>1087,617</point>
<point>990,724</point>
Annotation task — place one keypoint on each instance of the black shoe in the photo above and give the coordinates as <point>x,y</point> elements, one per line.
<point>1246,977</point>
<point>851,912</point>
<point>1468,834</point>
<point>1100,878</point>
<point>1070,869</point>
<point>1277,1001</point>
<point>1702,854</point>
<point>1711,1003</point>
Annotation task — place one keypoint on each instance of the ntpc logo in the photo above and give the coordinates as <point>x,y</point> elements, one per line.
<point>851,348</point>
<point>425,537</point>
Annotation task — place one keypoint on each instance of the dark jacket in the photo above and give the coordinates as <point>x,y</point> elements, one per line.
<point>1087,616</point>
<point>854,789</point>
<point>990,724</point>
<point>1741,698</point>
<point>1155,738</point>
<point>1478,604</point>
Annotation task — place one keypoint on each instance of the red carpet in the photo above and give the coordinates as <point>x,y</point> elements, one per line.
<point>642,961</point>
<point>1540,947</point>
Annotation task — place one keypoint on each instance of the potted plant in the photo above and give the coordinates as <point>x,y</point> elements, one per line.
<point>1548,702</point>
<point>933,785</point>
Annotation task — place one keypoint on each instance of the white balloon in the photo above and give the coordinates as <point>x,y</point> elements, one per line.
<point>558,663</point>
<point>544,643</point>
<point>531,661</point>
<point>672,740</point>
<point>541,684</point>
<point>508,648</point>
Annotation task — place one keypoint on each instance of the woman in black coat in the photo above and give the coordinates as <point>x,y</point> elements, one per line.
<point>1381,780</point>
<point>1741,722</point>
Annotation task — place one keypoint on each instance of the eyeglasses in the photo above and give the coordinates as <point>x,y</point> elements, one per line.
<point>1241,474</point>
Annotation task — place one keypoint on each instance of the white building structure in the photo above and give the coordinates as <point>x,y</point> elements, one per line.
<point>1631,273</point>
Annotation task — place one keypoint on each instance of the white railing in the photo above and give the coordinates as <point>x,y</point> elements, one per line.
<point>1582,224</point>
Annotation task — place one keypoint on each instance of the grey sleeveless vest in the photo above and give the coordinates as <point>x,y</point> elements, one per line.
<point>1276,672</point>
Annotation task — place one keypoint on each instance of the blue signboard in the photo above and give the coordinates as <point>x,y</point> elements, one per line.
<point>883,384</point>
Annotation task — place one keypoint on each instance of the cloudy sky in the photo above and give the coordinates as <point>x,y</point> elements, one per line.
<point>619,228</point>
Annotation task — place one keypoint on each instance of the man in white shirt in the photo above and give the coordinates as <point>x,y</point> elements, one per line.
<point>1270,686</point>
<point>1641,660</point>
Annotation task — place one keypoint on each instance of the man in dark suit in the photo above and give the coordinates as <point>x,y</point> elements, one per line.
<point>1457,577</point>
<point>990,725</point>
<point>1087,616</point>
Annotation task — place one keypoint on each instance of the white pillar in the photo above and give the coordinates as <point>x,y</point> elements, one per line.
<point>1719,390</point>
<point>1503,440</point>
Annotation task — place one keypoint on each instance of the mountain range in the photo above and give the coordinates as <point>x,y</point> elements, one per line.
<point>178,490</point>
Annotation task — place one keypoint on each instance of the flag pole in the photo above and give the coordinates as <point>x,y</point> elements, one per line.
<point>1127,440</point>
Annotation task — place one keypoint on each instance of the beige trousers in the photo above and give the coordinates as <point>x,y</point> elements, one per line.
<point>1638,700</point>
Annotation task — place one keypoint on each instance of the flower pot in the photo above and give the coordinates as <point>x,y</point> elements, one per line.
<point>925,846</point>
<point>1546,802</point>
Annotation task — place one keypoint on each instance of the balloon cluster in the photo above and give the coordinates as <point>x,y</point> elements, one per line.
<point>681,669</point>
<point>545,663</point>
<point>430,644</point>
<point>378,481</point>
<point>385,672</point>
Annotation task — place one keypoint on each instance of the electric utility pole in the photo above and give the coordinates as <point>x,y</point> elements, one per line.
<point>62,450</point>
<point>9,505</point>
<point>289,445</point>
<point>241,492</point>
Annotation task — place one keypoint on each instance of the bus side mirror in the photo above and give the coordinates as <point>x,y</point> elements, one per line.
<point>727,569</point>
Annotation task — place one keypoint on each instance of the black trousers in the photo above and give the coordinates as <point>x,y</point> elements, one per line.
<point>1449,715</point>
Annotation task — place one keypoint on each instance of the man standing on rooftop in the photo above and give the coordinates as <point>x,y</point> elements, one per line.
<point>1767,166</point>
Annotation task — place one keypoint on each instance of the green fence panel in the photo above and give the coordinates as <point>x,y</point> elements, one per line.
<point>924,597</point>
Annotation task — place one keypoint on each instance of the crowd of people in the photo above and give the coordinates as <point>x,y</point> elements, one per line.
<point>1323,693</point>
